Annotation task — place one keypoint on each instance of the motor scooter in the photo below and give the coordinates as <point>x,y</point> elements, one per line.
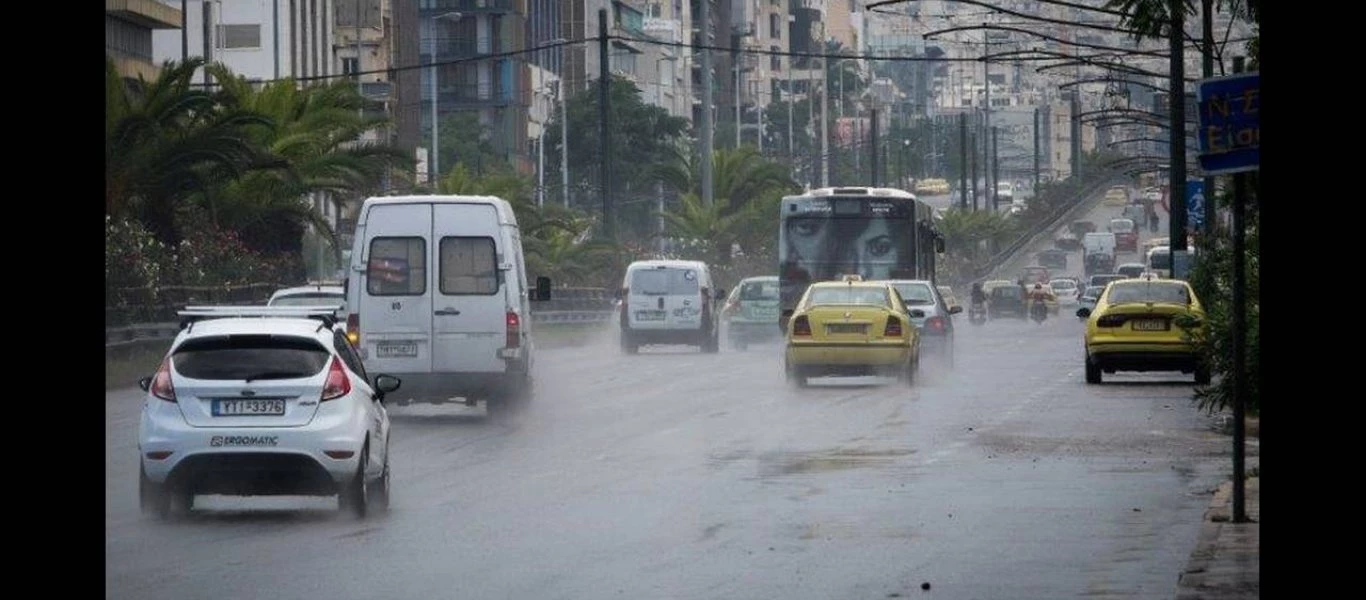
<point>977,313</point>
<point>1038,311</point>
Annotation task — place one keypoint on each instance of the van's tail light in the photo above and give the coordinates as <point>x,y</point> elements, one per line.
<point>514,337</point>
<point>935,324</point>
<point>337,383</point>
<point>893,328</point>
<point>801,326</point>
<point>161,382</point>
<point>353,329</point>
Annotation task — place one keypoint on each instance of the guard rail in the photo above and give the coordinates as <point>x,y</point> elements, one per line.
<point>1048,223</point>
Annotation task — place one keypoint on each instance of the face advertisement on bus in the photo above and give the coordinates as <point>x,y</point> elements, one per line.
<point>825,238</point>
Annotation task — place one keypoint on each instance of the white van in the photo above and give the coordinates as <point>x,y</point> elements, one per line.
<point>669,302</point>
<point>438,296</point>
<point>1099,242</point>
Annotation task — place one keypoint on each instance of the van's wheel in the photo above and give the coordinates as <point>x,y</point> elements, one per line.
<point>1092,371</point>
<point>153,498</point>
<point>355,496</point>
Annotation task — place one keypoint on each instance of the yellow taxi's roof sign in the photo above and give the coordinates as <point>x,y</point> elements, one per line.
<point>852,278</point>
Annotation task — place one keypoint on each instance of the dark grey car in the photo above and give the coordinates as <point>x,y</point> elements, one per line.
<point>931,314</point>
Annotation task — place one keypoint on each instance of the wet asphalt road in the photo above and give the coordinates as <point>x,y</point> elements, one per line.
<point>674,474</point>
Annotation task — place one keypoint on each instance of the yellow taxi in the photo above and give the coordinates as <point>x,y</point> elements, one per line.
<point>1117,196</point>
<point>1145,324</point>
<point>851,327</point>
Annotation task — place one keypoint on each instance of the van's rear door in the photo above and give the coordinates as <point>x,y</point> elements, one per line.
<point>470,309</point>
<point>396,308</point>
<point>665,297</point>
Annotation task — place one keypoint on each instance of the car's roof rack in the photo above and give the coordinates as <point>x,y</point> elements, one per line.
<point>192,314</point>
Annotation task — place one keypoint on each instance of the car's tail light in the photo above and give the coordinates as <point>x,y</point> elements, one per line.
<point>514,336</point>
<point>161,382</point>
<point>353,329</point>
<point>893,328</point>
<point>1110,321</point>
<point>801,326</point>
<point>936,324</point>
<point>731,307</point>
<point>337,384</point>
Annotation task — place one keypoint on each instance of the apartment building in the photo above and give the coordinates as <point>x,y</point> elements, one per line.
<point>128,28</point>
<point>261,40</point>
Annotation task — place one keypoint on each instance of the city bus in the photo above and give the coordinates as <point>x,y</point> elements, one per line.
<point>877,233</point>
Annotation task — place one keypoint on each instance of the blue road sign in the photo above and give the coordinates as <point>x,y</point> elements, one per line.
<point>1195,204</point>
<point>1230,123</point>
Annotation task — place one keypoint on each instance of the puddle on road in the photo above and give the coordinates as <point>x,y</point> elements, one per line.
<point>778,464</point>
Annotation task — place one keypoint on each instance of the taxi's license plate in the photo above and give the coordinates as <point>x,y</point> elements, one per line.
<point>1151,325</point>
<point>846,328</point>
<point>255,407</point>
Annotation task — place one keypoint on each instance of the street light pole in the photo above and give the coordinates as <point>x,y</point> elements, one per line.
<point>434,165</point>
<point>825,112</point>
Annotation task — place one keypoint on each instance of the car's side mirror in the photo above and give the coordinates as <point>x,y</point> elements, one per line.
<point>1083,312</point>
<point>542,290</point>
<point>387,383</point>
<point>145,383</point>
<point>917,313</point>
<point>953,310</point>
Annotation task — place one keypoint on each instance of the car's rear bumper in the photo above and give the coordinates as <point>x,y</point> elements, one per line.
<point>752,330</point>
<point>1144,356</point>
<point>848,354</point>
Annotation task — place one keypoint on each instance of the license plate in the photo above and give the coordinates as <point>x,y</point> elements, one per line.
<point>396,349</point>
<point>1151,325</point>
<point>846,328</point>
<point>255,407</point>
<point>650,315</point>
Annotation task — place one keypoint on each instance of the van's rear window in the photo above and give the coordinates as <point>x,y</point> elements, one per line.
<point>238,357</point>
<point>664,282</point>
<point>397,267</point>
<point>469,266</point>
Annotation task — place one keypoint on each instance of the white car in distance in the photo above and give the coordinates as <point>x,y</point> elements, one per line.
<point>263,401</point>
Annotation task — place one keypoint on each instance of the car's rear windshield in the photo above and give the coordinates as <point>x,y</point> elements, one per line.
<point>1148,291</point>
<point>849,296</point>
<point>668,281</point>
<point>1062,284</point>
<point>759,290</point>
<point>250,357</point>
<point>915,293</point>
<point>309,299</point>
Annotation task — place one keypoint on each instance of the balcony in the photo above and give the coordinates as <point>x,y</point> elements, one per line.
<point>428,8</point>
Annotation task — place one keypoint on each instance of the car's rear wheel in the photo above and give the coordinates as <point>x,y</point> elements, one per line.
<point>379,491</point>
<point>1092,371</point>
<point>153,498</point>
<point>1202,373</point>
<point>355,498</point>
<point>796,375</point>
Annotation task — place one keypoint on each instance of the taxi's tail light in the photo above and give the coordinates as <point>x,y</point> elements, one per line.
<point>893,328</point>
<point>936,324</point>
<point>801,326</point>
<point>514,331</point>
<point>353,329</point>
<point>161,382</point>
<point>1110,321</point>
<point>337,383</point>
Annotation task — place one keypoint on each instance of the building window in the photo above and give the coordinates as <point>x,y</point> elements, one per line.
<point>775,26</point>
<point>239,36</point>
<point>775,61</point>
<point>350,65</point>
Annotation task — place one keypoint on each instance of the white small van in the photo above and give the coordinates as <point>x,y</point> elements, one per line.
<point>669,302</point>
<point>437,295</point>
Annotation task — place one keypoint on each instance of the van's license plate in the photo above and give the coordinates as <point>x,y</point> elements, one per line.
<point>396,349</point>
<point>650,315</point>
<point>249,408</point>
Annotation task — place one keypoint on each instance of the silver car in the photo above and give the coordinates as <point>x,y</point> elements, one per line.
<point>930,313</point>
<point>1088,298</point>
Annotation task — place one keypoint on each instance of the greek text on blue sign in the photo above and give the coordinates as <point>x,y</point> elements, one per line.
<point>1230,123</point>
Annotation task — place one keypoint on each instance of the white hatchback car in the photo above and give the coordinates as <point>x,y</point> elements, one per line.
<point>263,401</point>
<point>1067,290</point>
<point>311,295</point>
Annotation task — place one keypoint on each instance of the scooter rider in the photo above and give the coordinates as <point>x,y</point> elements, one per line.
<point>979,297</point>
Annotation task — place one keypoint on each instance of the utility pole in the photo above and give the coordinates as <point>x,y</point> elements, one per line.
<point>995,160</point>
<point>185,34</point>
<point>986,122</point>
<point>1177,91</point>
<point>1207,71</point>
<point>705,125</point>
<point>791,148</point>
<point>963,160</point>
<point>825,112</point>
<point>973,141</point>
<point>872,156</point>
<point>735,54</point>
<point>1075,142</point>
<point>208,39</point>
<point>604,140</point>
<point>560,93</point>
<point>1036,153</point>
<point>360,89</point>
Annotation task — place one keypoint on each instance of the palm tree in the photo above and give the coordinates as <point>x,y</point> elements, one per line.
<point>166,141</point>
<point>1149,18</point>
<point>315,130</point>
<point>746,187</point>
